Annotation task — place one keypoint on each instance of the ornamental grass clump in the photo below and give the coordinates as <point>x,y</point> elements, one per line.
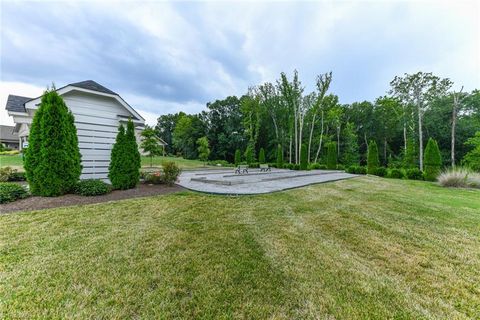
<point>459,178</point>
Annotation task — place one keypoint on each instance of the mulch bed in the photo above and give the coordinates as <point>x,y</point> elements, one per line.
<point>37,203</point>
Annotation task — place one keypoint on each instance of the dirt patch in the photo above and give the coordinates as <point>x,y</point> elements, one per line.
<point>37,203</point>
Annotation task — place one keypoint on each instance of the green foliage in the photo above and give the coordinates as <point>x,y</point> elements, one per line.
<point>332,156</point>
<point>92,187</point>
<point>52,160</point>
<point>261,156</point>
<point>472,157</point>
<point>249,155</point>
<point>373,161</point>
<point>357,169</point>
<point>432,160</point>
<point>150,144</point>
<point>381,172</point>
<point>155,177</point>
<point>350,149</point>
<point>125,160</point>
<point>303,158</point>
<point>279,156</point>
<point>9,174</point>
<point>11,192</point>
<point>188,130</point>
<point>414,174</point>
<point>314,166</point>
<point>396,173</point>
<point>238,157</point>
<point>203,149</point>
<point>170,172</point>
<point>410,155</point>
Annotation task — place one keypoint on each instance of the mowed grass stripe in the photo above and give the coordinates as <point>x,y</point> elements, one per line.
<point>363,248</point>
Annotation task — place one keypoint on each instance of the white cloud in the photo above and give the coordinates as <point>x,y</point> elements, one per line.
<point>18,89</point>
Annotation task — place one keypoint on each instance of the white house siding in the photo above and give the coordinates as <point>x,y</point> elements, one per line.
<point>96,120</point>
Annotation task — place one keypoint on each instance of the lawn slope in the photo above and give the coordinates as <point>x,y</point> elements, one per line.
<point>355,249</point>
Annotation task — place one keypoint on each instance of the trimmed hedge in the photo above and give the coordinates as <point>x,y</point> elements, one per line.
<point>92,187</point>
<point>332,156</point>
<point>432,160</point>
<point>279,157</point>
<point>11,192</point>
<point>373,161</point>
<point>303,158</point>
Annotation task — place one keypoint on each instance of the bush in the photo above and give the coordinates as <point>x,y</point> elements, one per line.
<point>332,156</point>
<point>459,178</point>
<point>249,155</point>
<point>261,156</point>
<point>279,157</point>
<point>52,160</point>
<point>289,166</point>
<point>11,192</point>
<point>314,166</point>
<point>414,174</point>
<point>155,177</point>
<point>381,172</point>
<point>254,165</point>
<point>432,160</point>
<point>373,161</point>
<point>238,157</point>
<point>351,169</point>
<point>5,174</point>
<point>340,167</point>
<point>170,172</point>
<point>296,167</point>
<point>322,167</point>
<point>357,170</point>
<point>125,163</point>
<point>92,187</point>
<point>396,173</point>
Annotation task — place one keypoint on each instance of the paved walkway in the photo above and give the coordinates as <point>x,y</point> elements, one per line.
<point>255,182</point>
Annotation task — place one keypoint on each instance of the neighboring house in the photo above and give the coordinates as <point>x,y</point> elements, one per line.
<point>98,112</point>
<point>8,137</point>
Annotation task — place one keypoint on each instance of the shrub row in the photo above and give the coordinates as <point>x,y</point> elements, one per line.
<point>11,192</point>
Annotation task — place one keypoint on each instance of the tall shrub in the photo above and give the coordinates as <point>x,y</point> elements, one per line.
<point>279,157</point>
<point>303,158</point>
<point>332,156</point>
<point>249,155</point>
<point>410,155</point>
<point>53,163</point>
<point>203,149</point>
<point>373,162</point>
<point>125,162</point>
<point>261,156</point>
<point>238,157</point>
<point>432,160</point>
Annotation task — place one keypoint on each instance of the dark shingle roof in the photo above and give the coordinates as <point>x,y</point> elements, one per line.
<point>16,103</point>
<point>6,134</point>
<point>92,85</point>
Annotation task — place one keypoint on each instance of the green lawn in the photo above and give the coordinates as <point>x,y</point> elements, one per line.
<point>365,248</point>
<point>16,161</point>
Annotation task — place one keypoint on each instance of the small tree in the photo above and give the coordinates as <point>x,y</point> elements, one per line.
<point>238,157</point>
<point>472,158</point>
<point>432,160</point>
<point>303,158</point>
<point>332,156</point>
<point>125,159</point>
<point>279,157</point>
<point>150,144</point>
<point>53,162</point>
<point>203,149</point>
<point>261,156</point>
<point>350,149</point>
<point>373,162</point>
<point>410,155</point>
<point>249,155</point>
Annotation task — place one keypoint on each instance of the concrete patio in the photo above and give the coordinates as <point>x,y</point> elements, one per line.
<point>225,181</point>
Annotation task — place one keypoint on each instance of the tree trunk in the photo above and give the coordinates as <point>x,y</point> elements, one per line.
<point>420,135</point>
<point>321,138</point>
<point>311,135</point>
<point>454,122</point>
<point>296,135</point>
<point>385,150</point>
<point>290,150</point>
<point>338,142</point>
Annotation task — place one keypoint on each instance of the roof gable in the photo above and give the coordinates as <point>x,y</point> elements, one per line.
<point>16,103</point>
<point>92,85</point>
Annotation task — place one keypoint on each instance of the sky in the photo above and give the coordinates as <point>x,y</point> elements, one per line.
<point>166,57</point>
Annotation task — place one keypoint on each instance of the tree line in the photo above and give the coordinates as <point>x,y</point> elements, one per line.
<point>280,117</point>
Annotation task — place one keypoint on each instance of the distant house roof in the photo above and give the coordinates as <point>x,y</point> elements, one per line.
<point>7,134</point>
<point>92,85</point>
<point>16,103</point>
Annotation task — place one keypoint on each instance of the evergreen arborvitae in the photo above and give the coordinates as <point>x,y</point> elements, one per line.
<point>115,169</point>
<point>350,149</point>
<point>249,155</point>
<point>410,155</point>
<point>57,164</point>
<point>373,162</point>
<point>432,160</point>
<point>261,156</point>
<point>238,157</point>
<point>303,158</point>
<point>279,157</point>
<point>33,151</point>
<point>132,154</point>
<point>332,156</point>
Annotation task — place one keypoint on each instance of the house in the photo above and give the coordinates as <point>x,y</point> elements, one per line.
<point>8,137</point>
<point>98,112</point>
